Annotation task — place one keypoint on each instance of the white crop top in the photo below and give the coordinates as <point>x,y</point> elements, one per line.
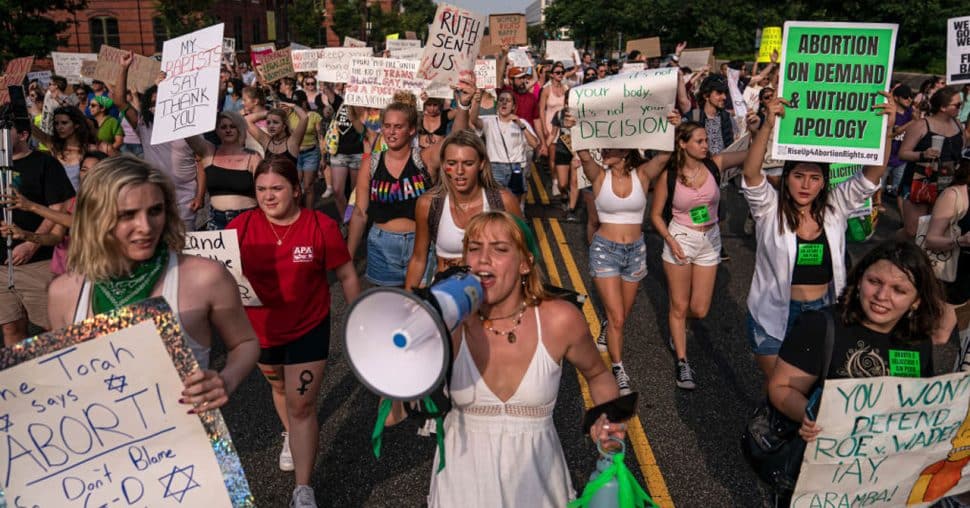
<point>613,209</point>
<point>448,244</point>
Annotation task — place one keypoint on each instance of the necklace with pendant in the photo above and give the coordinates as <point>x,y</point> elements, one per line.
<point>510,334</point>
<point>279,239</point>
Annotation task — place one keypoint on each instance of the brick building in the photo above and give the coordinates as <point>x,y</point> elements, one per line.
<point>134,24</point>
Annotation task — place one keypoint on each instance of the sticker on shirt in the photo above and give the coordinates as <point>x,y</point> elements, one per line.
<point>700,214</point>
<point>303,254</point>
<point>810,254</point>
<point>904,363</point>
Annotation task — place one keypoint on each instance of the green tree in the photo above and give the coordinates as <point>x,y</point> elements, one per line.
<point>25,30</point>
<point>348,19</point>
<point>306,22</point>
<point>180,17</point>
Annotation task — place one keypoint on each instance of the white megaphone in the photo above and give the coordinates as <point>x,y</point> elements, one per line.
<point>399,342</point>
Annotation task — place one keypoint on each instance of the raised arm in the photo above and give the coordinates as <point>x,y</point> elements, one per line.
<point>296,135</point>
<point>473,118</point>
<point>253,130</point>
<point>755,155</point>
<point>119,96</point>
<point>887,109</point>
<point>202,147</point>
<point>683,101</point>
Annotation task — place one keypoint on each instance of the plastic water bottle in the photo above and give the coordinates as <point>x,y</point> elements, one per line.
<point>608,496</point>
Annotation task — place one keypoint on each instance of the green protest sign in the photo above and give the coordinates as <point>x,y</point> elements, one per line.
<point>861,222</point>
<point>832,74</point>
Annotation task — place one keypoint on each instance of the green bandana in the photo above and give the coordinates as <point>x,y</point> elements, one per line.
<point>134,287</point>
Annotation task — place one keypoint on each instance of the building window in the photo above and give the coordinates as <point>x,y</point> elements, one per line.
<point>104,30</point>
<point>237,32</point>
<point>159,33</point>
<point>256,36</point>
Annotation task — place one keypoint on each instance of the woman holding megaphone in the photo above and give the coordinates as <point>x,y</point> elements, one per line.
<point>500,441</point>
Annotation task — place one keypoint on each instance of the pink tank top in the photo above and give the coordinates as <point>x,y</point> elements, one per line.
<point>696,207</point>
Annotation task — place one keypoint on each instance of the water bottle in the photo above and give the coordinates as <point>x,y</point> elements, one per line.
<point>608,496</point>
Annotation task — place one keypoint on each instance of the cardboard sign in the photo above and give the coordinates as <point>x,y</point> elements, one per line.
<point>696,58</point>
<point>770,42</point>
<point>487,48</point>
<point>649,47</point>
<point>453,43</point>
<point>222,246</point>
<point>888,441</point>
<point>305,60</point>
<point>485,77</point>
<point>334,67</point>
<point>87,70</point>
<point>276,65</point>
<point>143,72</point>
<point>625,111</point>
<point>832,74</point>
<point>350,42</point>
<point>958,50</point>
<point>68,65</point>
<point>406,49</point>
<point>410,35</point>
<point>257,50</point>
<point>91,417</point>
<point>108,70</point>
<point>16,70</point>
<point>187,99</point>
<point>560,51</point>
<point>507,29</point>
<point>373,81</point>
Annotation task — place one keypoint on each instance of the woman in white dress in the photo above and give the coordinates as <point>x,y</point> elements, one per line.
<point>501,446</point>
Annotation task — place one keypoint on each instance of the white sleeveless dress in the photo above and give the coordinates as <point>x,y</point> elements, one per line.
<point>502,454</point>
<point>170,291</point>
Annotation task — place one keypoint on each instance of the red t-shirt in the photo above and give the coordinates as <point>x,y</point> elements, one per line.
<point>290,279</point>
<point>526,105</point>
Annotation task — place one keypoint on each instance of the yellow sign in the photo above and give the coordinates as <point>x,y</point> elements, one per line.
<point>770,41</point>
<point>271,26</point>
<point>392,37</point>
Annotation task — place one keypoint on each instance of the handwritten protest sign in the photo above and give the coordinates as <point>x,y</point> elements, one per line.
<point>373,81</point>
<point>350,42</point>
<point>649,47</point>
<point>14,74</point>
<point>108,70</point>
<point>507,29</point>
<point>519,58</point>
<point>228,46</point>
<point>453,43</point>
<point>334,67</point>
<point>560,51</point>
<point>68,65</point>
<point>625,111</point>
<point>770,42</point>
<point>47,112</point>
<point>91,417</point>
<point>222,246</point>
<point>257,50</point>
<point>831,74</point>
<point>276,65</point>
<point>740,107</point>
<point>87,70</point>
<point>410,35</point>
<point>305,60</point>
<point>696,58</point>
<point>43,78</point>
<point>143,72</point>
<point>404,48</point>
<point>958,50</point>
<point>487,48</point>
<point>861,221</point>
<point>186,102</point>
<point>888,441</point>
<point>485,77</point>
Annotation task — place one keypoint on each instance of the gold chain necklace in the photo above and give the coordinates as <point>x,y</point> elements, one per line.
<point>279,239</point>
<point>510,334</point>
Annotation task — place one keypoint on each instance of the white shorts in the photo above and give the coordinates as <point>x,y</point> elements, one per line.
<point>702,248</point>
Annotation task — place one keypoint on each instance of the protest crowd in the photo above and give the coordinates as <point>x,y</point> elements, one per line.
<point>325,176</point>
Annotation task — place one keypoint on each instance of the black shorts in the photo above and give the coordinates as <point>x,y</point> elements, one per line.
<point>312,347</point>
<point>562,157</point>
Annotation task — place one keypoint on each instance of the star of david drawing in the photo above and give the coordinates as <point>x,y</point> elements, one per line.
<point>117,383</point>
<point>178,482</point>
<point>5,423</point>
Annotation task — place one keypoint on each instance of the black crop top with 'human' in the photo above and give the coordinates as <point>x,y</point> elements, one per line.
<point>394,198</point>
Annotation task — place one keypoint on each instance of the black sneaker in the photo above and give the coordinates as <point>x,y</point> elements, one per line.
<point>601,339</point>
<point>571,216</point>
<point>622,380</point>
<point>724,255</point>
<point>685,375</point>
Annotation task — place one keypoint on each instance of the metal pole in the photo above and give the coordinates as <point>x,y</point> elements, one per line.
<point>6,171</point>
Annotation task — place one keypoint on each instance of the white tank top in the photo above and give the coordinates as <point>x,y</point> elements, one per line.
<point>613,209</point>
<point>448,244</point>
<point>170,291</point>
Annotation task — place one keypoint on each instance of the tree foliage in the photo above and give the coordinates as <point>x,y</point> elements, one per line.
<point>306,22</point>
<point>348,19</point>
<point>180,17</point>
<point>26,30</point>
<point>729,25</point>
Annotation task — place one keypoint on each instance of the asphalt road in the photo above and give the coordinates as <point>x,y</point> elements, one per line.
<point>687,454</point>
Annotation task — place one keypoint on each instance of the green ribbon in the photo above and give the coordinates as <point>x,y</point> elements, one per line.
<point>384,409</point>
<point>629,495</point>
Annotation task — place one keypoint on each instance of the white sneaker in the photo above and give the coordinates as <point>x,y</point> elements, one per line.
<point>601,338</point>
<point>286,458</point>
<point>327,193</point>
<point>555,187</point>
<point>303,497</point>
<point>622,379</point>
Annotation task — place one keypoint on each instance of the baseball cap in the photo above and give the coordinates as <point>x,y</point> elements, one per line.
<point>903,91</point>
<point>516,72</point>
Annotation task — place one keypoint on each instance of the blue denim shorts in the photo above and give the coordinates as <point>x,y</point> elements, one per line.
<point>504,172</point>
<point>612,259</point>
<point>219,219</point>
<point>763,344</point>
<point>388,255</point>
<point>309,159</point>
<point>346,160</point>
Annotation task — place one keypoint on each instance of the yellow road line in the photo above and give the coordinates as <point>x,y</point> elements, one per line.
<point>638,438</point>
<point>540,188</point>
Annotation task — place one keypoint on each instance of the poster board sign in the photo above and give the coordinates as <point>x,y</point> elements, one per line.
<point>958,50</point>
<point>373,81</point>
<point>520,58</point>
<point>407,49</point>
<point>507,29</point>
<point>888,441</point>
<point>649,47</point>
<point>43,78</point>
<point>740,107</point>
<point>87,70</point>
<point>305,60</point>
<point>839,173</point>
<point>696,58</point>
<point>485,77</point>
<point>392,37</point>
<point>14,75</point>
<point>47,112</point>
<point>187,98</point>
<point>410,35</point>
<point>143,72</point>
<point>334,67</point>
<point>257,50</point>
<point>228,46</point>
<point>832,74</point>
<point>108,70</point>
<point>560,51</point>
<point>68,65</point>
<point>625,111</point>
<point>103,398</point>
<point>487,48</point>
<point>770,42</point>
<point>222,246</point>
<point>454,40</point>
<point>276,65</point>
<point>350,42</point>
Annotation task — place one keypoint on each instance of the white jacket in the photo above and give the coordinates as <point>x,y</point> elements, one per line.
<point>770,293</point>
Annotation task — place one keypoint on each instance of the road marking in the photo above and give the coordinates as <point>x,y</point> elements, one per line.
<point>656,485</point>
<point>540,188</point>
